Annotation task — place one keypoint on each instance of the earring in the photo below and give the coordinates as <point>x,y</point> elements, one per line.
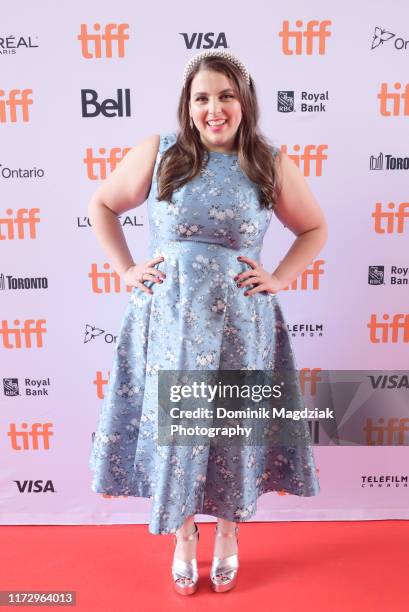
<point>191,123</point>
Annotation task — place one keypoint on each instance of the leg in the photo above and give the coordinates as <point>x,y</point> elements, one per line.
<point>185,550</point>
<point>225,546</point>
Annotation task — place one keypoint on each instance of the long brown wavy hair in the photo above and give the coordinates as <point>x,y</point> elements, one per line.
<point>181,162</point>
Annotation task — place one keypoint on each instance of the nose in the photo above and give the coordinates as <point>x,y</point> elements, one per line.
<point>214,106</point>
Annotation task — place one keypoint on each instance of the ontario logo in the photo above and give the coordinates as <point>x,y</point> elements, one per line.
<point>382,36</point>
<point>92,332</point>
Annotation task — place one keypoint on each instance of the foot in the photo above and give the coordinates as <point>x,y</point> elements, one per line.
<point>185,549</point>
<point>225,542</point>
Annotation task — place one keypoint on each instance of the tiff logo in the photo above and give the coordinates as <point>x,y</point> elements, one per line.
<point>96,45</point>
<point>30,439</point>
<point>311,153</point>
<point>393,103</point>
<point>309,376</point>
<point>17,99</point>
<point>390,331</point>
<point>384,434</point>
<point>312,273</point>
<point>22,336</point>
<point>23,218</point>
<point>292,40</point>
<point>99,166</point>
<point>105,282</point>
<point>392,221</point>
<point>100,383</point>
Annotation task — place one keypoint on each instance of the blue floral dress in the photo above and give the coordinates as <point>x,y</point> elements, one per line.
<point>196,319</point>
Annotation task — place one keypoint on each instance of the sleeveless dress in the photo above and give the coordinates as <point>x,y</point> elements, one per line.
<point>197,319</point>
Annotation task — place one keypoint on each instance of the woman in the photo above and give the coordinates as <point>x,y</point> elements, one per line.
<point>202,301</point>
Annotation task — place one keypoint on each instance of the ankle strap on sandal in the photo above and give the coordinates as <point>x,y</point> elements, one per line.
<point>188,538</point>
<point>227,534</point>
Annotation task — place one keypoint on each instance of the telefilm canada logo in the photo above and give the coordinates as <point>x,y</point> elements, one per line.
<point>388,162</point>
<point>21,283</point>
<point>204,40</point>
<point>382,36</point>
<point>92,333</point>
<point>10,45</point>
<point>307,102</point>
<point>384,481</point>
<point>308,329</point>
<point>396,275</point>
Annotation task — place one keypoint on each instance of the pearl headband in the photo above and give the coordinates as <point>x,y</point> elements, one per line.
<point>223,54</point>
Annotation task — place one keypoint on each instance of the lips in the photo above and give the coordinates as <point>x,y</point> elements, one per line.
<point>219,123</point>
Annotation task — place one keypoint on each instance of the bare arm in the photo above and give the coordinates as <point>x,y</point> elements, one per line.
<point>298,210</point>
<point>125,188</point>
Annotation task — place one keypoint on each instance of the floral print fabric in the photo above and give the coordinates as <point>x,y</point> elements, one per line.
<point>196,319</point>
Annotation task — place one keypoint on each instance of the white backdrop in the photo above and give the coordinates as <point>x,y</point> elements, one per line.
<point>61,301</point>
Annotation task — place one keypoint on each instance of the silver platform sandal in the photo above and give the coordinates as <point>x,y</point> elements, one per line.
<point>223,575</point>
<point>185,573</point>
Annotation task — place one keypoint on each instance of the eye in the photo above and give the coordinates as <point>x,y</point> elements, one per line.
<point>204,98</point>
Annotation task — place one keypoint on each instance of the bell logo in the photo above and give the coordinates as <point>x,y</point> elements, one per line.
<point>22,338</point>
<point>311,153</point>
<point>390,331</point>
<point>99,166</point>
<point>17,99</point>
<point>294,38</point>
<point>394,103</point>
<point>96,44</point>
<point>105,282</point>
<point>100,384</point>
<point>108,108</point>
<point>30,439</point>
<point>314,272</point>
<point>390,222</point>
<point>16,226</point>
<point>309,376</point>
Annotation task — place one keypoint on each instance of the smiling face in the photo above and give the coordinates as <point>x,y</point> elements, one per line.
<point>212,98</point>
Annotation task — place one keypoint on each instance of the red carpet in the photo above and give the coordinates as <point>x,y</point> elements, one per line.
<point>285,567</point>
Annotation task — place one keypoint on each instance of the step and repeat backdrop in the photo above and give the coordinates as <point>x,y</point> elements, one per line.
<point>78,89</point>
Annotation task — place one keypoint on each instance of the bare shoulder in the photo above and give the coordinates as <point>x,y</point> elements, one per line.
<point>129,183</point>
<point>296,207</point>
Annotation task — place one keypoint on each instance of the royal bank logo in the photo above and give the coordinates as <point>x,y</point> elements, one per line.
<point>397,275</point>
<point>204,40</point>
<point>376,275</point>
<point>10,387</point>
<point>388,162</point>
<point>309,102</point>
<point>382,36</point>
